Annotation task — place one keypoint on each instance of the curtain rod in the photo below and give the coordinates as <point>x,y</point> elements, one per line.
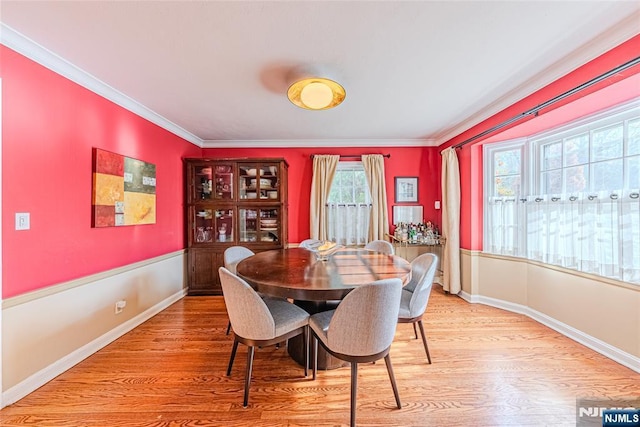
<point>534,111</point>
<point>353,156</point>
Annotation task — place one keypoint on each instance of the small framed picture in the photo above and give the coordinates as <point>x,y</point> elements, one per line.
<point>406,189</point>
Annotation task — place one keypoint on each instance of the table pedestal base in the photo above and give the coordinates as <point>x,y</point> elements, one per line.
<point>296,344</point>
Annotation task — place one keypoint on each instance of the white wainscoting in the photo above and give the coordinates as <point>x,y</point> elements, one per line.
<point>48,331</point>
<point>599,313</point>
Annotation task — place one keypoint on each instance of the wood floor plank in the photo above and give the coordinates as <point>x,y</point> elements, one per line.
<point>490,368</point>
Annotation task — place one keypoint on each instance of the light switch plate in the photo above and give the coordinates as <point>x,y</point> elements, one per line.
<point>23,221</point>
<point>437,204</point>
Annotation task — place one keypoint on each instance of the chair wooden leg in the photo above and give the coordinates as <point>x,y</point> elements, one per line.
<point>415,331</point>
<point>228,328</point>
<point>233,356</point>
<point>424,340</point>
<point>314,357</point>
<point>247,379</point>
<point>305,335</point>
<point>387,360</point>
<point>354,391</point>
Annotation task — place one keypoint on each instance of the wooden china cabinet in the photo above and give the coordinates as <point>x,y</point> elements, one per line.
<point>240,201</point>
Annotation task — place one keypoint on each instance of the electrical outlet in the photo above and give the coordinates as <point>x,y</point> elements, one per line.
<point>23,221</point>
<point>120,305</point>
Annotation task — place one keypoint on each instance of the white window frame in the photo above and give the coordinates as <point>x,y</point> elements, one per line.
<point>591,123</point>
<point>359,230</point>
<point>531,176</point>
<point>489,151</point>
<point>351,166</point>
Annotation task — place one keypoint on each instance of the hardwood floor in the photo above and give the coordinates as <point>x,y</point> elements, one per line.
<point>490,368</point>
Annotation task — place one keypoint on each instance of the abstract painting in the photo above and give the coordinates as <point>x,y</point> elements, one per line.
<point>124,190</point>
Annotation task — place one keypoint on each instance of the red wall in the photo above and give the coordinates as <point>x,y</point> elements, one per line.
<point>623,86</point>
<point>423,162</point>
<point>49,126</point>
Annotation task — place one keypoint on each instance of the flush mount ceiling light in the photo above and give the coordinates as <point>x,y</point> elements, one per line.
<point>316,93</point>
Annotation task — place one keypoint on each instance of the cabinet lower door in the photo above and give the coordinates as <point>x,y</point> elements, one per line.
<point>203,271</point>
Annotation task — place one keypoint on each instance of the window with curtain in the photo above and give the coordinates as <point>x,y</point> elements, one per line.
<point>349,205</point>
<point>571,196</point>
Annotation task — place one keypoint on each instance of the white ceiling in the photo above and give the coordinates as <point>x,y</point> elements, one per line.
<point>416,73</point>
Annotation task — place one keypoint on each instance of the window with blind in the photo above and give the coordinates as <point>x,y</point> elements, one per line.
<point>349,205</point>
<point>570,196</point>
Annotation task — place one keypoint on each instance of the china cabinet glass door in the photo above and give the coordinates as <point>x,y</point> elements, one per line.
<point>259,225</point>
<point>223,225</point>
<point>203,226</point>
<point>203,182</point>
<point>247,225</point>
<point>269,225</point>
<point>223,179</point>
<point>258,181</point>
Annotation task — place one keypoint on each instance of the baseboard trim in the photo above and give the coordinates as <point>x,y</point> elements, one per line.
<point>630,361</point>
<point>45,375</point>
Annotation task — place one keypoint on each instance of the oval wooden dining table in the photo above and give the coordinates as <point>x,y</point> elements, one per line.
<point>316,285</point>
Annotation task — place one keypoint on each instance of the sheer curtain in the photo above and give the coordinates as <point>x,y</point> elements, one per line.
<point>324,169</point>
<point>348,223</point>
<point>504,225</point>
<point>451,221</point>
<point>379,218</point>
<point>596,233</point>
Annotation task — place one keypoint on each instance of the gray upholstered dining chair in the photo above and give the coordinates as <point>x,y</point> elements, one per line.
<point>380,246</point>
<point>415,295</point>
<point>258,322</point>
<point>360,330</point>
<point>232,256</point>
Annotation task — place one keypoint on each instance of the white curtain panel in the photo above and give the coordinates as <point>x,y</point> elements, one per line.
<point>324,169</point>
<point>503,226</point>
<point>348,223</point>
<point>373,165</point>
<point>596,233</point>
<point>451,221</point>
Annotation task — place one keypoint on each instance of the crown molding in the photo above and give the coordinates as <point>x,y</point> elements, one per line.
<point>32,50</point>
<point>302,143</point>
<point>608,40</point>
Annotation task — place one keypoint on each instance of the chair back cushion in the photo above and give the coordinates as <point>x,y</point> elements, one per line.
<point>380,246</point>
<point>365,321</point>
<point>249,315</point>
<point>233,255</point>
<point>423,270</point>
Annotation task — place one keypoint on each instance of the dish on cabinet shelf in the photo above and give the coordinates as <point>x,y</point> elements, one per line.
<point>264,182</point>
<point>269,238</point>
